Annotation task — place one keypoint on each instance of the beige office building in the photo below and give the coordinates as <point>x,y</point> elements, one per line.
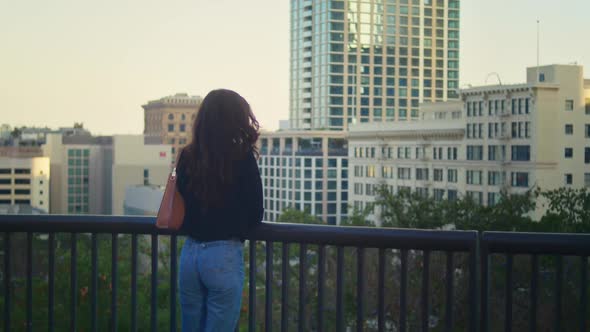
<point>136,163</point>
<point>503,137</point>
<point>171,119</point>
<point>81,173</point>
<point>91,173</point>
<point>25,182</point>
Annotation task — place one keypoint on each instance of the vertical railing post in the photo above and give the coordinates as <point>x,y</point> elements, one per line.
<point>285,288</point>
<point>51,282</point>
<point>29,281</point>
<point>7,282</point>
<point>94,283</point>
<point>73,281</point>
<point>133,282</point>
<point>268,287</point>
<point>114,280</point>
<point>154,284</point>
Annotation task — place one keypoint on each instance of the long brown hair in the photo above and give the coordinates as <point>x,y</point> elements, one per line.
<point>225,130</point>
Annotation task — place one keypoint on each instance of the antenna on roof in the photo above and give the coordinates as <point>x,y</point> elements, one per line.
<point>538,48</point>
<point>494,74</point>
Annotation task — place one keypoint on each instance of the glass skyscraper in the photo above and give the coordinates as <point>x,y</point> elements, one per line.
<point>370,60</point>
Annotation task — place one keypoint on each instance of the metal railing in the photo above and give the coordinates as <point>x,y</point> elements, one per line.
<point>534,245</point>
<point>377,246</point>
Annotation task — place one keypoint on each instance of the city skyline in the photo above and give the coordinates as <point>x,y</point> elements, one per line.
<point>101,74</point>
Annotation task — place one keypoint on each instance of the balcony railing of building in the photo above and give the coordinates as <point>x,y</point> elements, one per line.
<point>414,263</point>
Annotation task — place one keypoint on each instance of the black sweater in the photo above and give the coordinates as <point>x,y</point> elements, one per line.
<point>241,211</point>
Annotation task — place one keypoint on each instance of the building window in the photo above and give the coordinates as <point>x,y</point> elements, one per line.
<point>521,153</point>
<point>146,177</point>
<point>569,153</point>
<point>587,106</point>
<point>569,178</point>
<point>587,131</point>
<point>520,179</point>
<point>474,152</point>
<point>422,174</point>
<point>496,178</point>
<point>182,128</point>
<point>569,105</point>
<point>541,77</point>
<point>439,194</point>
<point>569,129</point>
<point>170,116</point>
<point>438,175</point>
<point>587,179</point>
<point>404,173</point>
<point>170,128</point>
<point>587,155</point>
<point>452,195</point>
<point>493,199</point>
<point>476,196</point>
<point>474,177</point>
<point>452,176</point>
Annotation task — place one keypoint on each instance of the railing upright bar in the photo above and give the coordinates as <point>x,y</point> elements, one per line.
<point>73,281</point>
<point>474,291</point>
<point>268,287</point>
<point>114,279</point>
<point>360,290</point>
<point>484,261</point>
<point>381,292</point>
<point>558,288</point>
<point>285,288</point>
<point>508,294</point>
<point>173,281</point>
<point>583,292</point>
<point>29,281</point>
<point>133,282</point>
<point>7,280</point>
<point>403,297</point>
<point>51,283</point>
<point>252,288</point>
<point>154,285</point>
<point>302,286</point>
<point>425,289</point>
<point>534,293</point>
<point>321,285</point>
<point>449,292</point>
<point>339,289</point>
<point>94,283</point>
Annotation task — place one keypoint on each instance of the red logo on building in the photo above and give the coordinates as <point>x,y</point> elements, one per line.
<point>162,154</point>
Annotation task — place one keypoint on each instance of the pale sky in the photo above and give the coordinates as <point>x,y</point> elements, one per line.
<point>97,62</point>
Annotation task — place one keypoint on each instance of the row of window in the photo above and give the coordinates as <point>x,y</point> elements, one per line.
<point>319,173</point>
<point>520,129</point>
<point>569,130</point>
<point>17,201</point>
<point>318,208</point>
<point>181,127</point>
<point>307,185</point>
<point>495,107</point>
<point>301,162</point>
<point>406,152</point>
<point>16,181</point>
<point>16,191</point>
<point>15,171</point>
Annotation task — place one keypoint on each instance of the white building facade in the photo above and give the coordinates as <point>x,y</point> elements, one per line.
<point>498,138</point>
<point>307,171</point>
<point>25,182</point>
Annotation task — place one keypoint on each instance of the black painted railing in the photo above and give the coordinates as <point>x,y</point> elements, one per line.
<point>336,278</point>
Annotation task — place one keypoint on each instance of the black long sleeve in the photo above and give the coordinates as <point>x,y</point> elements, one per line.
<point>241,211</point>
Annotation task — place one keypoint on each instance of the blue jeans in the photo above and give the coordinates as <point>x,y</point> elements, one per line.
<point>211,281</point>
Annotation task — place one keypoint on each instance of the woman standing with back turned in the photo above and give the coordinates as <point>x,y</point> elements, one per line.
<point>219,181</point>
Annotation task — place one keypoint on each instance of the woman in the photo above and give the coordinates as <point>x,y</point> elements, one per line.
<point>219,180</point>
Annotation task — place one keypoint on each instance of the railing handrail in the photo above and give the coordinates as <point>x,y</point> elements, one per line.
<point>369,237</point>
<point>536,243</point>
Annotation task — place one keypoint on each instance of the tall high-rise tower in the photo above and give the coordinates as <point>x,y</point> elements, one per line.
<point>370,60</point>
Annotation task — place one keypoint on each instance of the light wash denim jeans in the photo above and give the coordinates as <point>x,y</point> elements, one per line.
<point>211,281</point>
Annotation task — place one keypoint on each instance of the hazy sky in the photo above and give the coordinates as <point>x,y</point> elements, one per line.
<point>97,62</point>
